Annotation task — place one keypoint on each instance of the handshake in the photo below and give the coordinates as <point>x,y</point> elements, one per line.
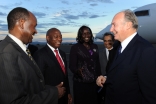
<point>101,80</point>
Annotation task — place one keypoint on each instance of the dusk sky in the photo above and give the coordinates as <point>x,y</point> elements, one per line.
<point>68,15</point>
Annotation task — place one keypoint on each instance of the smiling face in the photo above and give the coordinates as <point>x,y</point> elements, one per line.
<point>54,38</point>
<point>29,29</point>
<point>108,42</point>
<point>118,27</point>
<point>86,35</point>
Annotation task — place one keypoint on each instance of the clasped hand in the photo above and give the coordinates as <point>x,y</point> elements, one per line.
<point>101,80</point>
<point>61,90</point>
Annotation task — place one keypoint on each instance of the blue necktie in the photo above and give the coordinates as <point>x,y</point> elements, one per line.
<point>119,50</point>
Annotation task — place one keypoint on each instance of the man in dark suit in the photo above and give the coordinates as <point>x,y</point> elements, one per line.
<point>131,79</point>
<point>53,71</point>
<point>106,57</point>
<point>107,53</point>
<point>21,81</point>
<point>32,48</point>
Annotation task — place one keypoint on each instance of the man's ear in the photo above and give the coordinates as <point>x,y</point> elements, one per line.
<point>129,25</point>
<point>21,23</point>
<point>47,37</point>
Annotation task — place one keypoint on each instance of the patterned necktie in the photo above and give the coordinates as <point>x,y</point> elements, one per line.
<point>60,61</point>
<point>29,54</point>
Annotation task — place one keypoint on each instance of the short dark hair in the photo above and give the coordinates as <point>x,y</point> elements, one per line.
<point>107,34</point>
<point>80,32</point>
<point>15,15</point>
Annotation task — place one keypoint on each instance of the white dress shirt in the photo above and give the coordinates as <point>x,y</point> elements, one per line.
<point>107,53</point>
<point>54,51</point>
<point>126,41</point>
<point>19,42</point>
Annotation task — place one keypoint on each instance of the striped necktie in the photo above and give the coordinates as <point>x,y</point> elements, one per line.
<point>29,54</point>
<point>60,61</point>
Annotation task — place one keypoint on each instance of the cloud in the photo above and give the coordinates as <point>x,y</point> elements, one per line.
<point>65,32</point>
<point>65,11</point>
<point>59,14</point>
<point>45,7</point>
<point>65,2</point>
<point>3,27</point>
<point>39,14</point>
<point>1,22</point>
<point>82,15</point>
<point>69,17</point>
<point>43,27</point>
<point>93,16</point>
<point>18,4</point>
<point>66,14</point>
<point>2,14</point>
<point>3,34</point>
<point>3,7</point>
<point>134,7</point>
<point>103,1</point>
<point>54,22</point>
<point>93,4</point>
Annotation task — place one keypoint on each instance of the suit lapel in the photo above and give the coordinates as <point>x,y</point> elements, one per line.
<point>53,57</point>
<point>105,56</point>
<point>25,57</point>
<point>124,54</point>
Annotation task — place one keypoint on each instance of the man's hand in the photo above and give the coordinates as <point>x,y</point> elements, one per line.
<point>69,99</point>
<point>61,90</point>
<point>100,80</point>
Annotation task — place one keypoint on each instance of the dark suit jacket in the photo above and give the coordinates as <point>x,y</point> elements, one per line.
<point>105,64</point>
<point>21,82</point>
<point>103,60</point>
<point>51,69</point>
<point>131,78</point>
<point>32,49</point>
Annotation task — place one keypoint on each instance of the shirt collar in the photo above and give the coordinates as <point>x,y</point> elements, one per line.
<point>18,41</point>
<point>52,47</point>
<point>126,41</point>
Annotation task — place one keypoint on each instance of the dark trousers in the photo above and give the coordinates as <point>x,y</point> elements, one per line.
<point>85,93</point>
<point>101,95</point>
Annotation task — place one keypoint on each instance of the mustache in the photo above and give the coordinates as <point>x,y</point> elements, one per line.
<point>110,43</point>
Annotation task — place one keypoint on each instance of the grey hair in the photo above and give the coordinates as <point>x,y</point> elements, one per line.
<point>130,16</point>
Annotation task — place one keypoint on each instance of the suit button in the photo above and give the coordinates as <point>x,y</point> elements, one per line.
<point>41,80</point>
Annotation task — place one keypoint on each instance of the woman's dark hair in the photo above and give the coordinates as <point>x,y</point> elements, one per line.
<point>80,33</point>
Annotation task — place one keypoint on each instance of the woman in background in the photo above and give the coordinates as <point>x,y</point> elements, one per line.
<point>84,63</point>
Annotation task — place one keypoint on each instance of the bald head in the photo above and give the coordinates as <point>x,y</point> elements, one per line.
<point>54,37</point>
<point>124,24</point>
<point>52,30</point>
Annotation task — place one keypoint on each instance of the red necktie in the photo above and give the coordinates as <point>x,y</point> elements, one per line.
<point>60,61</point>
